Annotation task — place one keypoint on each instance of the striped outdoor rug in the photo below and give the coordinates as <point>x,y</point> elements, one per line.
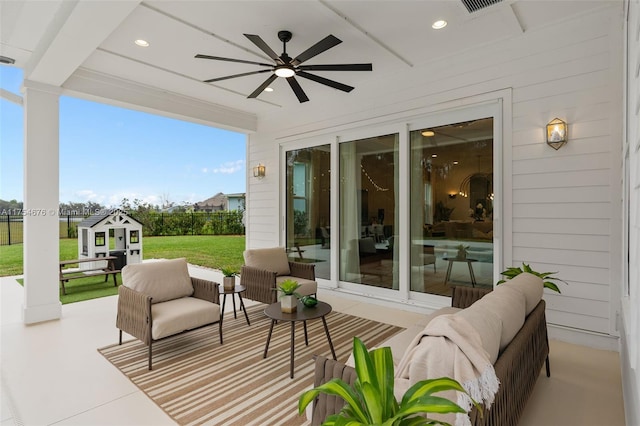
<point>197,381</point>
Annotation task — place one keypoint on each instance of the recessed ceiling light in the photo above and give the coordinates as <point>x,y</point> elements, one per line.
<point>438,25</point>
<point>268,89</point>
<point>434,155</point>
<point>142,43</point>
<point>428,133</point>
<point>455,162</point>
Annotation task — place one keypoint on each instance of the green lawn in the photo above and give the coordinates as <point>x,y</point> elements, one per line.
<point>213,251</point>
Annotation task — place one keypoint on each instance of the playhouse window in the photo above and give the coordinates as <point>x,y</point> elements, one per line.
<point>85,245</point>
<point>133,237</point>
<point>100,238</point>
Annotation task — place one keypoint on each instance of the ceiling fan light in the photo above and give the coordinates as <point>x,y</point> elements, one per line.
<point>285,72</point>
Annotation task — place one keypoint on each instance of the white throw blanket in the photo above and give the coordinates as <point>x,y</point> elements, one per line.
<point>450,347</point>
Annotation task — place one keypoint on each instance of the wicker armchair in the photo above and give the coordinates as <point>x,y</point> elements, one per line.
<point>156,300</point>
<point>264,269</point>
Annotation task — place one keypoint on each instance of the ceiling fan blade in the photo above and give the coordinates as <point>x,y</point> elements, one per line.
<point>218,58</point>
<point>325,81</point>
<point>255,39</point>
<point>325,44</point>
<point>211,80</point>
<point>337,67</point>
<point>302,97</point>
<point>263,86</point>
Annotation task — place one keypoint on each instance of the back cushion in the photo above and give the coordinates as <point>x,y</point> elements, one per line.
<point>530,286</point>
<point>509,305</point>
<point>269,259</point>
<point>488,325</point>
<point>163,280</point>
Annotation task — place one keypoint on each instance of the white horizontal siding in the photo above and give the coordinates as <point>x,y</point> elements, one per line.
<point>565,203</point>
<point>560,210</point>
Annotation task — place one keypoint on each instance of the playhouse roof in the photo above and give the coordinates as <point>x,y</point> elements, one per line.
<point>95,219</point>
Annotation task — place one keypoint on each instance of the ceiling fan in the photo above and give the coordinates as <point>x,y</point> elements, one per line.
<point>288,68</point>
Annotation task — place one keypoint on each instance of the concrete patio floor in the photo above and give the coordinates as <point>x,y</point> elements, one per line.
<point>52,373</point>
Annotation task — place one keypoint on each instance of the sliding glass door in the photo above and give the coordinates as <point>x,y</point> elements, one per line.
<point>452,206</point>
<point>368,211</point>
<point>308,207</point>
<point>412,205</point>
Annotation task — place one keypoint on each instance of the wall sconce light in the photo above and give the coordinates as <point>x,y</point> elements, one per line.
<point>556,133</point>
<point>453,196</point>
<point>259,171</point>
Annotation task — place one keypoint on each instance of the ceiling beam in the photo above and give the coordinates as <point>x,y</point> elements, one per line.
<point>98,87</point>
<point>78,28</point>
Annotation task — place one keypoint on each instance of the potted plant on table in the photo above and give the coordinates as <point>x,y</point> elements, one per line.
<point>289,299</point>
<point>547,279</point>
<point>371,401</point>
<point>229,280</point>
<point>462,252</point>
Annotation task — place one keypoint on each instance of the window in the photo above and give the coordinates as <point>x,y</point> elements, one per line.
<point>100,238</point>
<point>133,237</point>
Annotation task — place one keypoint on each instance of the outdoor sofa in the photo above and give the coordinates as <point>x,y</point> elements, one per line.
<point>518,362</point>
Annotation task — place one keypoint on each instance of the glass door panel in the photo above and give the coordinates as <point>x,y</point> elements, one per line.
<point>368,211</point>
<point>308,207</point>
<point>452,206</point>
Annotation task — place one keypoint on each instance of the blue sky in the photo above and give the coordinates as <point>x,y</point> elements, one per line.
<point>109,153</point>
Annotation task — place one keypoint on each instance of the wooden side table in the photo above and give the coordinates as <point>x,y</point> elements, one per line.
<point>455,259</point>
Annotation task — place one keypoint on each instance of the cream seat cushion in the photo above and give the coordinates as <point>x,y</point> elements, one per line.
<point>163,280</point>
<point>307,287</point>
<point>268,259</point>
<point>186,313</point>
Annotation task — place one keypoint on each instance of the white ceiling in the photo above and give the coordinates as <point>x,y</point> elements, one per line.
<point>55,41</point>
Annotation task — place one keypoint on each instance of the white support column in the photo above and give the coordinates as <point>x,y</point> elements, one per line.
<point>41,201</point>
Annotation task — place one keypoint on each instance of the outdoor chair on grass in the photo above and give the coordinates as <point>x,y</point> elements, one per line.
<point>265,268</point>
<point>160,299</point>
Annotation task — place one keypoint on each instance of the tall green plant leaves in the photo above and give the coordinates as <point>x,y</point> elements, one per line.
<point>371,400</point>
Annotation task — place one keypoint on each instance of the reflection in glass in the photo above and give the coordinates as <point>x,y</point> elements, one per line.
<point>452,206</point>
<point>368,211</point>
<point>308,183</point>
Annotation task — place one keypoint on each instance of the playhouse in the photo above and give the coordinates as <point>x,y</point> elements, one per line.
<point>110,233</point>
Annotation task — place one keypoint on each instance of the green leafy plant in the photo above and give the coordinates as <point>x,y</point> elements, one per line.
<point>228,272</point>
<point>370,401</point>
<point>546,276</point>
<point>289,287</point>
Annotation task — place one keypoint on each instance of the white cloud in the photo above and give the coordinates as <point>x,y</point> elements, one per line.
<point>89,195</point>
<point>229,167</point>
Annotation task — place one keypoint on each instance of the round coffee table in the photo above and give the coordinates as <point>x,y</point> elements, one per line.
<point>238,289</point>
<point>303,313</point>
